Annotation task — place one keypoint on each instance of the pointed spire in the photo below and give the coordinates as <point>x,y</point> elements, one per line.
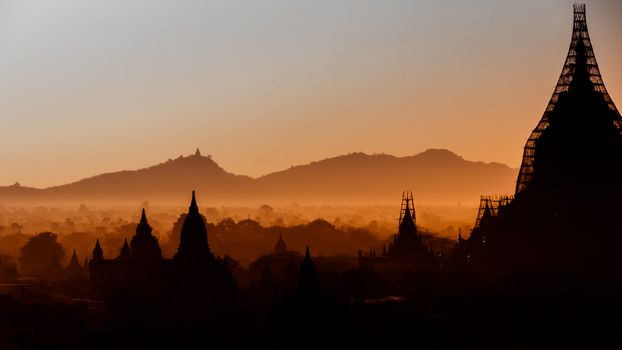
<point>307,286</point>
<point>74,264</point>
<point>197,153</point>
<point>280,247</point>
<point>74,259</point>
<point>125,253</point>
<point>98,252</point>
<point>143,217</point>
<point>193,204</point>
<point>193,244</point>
<point>407,225</point>
<point>143,229</point>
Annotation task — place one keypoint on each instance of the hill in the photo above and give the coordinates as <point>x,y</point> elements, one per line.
<point>435,176</point>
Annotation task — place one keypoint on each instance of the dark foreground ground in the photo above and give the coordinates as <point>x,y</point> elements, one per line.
<point>450,322</point>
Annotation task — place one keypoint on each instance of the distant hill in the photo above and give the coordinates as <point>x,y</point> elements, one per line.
<point>435,176</point>
<point>172,181</point>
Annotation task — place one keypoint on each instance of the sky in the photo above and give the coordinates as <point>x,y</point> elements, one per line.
<point>88,87</point>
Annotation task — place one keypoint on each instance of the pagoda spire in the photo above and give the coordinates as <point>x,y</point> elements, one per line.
<point>280,246</point>
<point>143,217</point>
<point>307,284</point>
<point>98,252</point>
<point>407,225</point>
<point>125,251</point>
<point>74,259</point>
<point>193,244</point>
<point>580,76</point>
<point>144,245</point>
<point>193,204</point>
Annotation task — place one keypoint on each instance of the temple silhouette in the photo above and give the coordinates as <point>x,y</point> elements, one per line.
<point>407,246</point>
<point>541,264</point>
<point>192,279</point>
<point>406,267</point>
<point>564,214</point>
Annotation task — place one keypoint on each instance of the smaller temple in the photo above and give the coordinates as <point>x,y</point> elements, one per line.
<point>144,244</point>
<point>98,252</point>
<point>308,279</point>
<point>407,246</point>
<point>126,253</point>
<point>407,243</point>
<point>74,270</point>
<point>279,269</point>
<point>280,247</point>
<point>193,244</point>
<point>142,271</point>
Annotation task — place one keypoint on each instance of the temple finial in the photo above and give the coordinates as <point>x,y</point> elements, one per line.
<point>143,217</point>
<point>98,252</point>
<point>193,203</point>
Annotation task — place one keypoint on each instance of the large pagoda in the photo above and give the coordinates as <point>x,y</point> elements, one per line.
<point>576,143</point>
<point>565,212</point>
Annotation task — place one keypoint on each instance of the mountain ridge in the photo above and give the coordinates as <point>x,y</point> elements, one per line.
<point>436,174</point>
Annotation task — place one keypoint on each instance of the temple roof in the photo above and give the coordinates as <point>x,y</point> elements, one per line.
<point>579,97</point>
<point>193,244</point>
<point>280,247</point>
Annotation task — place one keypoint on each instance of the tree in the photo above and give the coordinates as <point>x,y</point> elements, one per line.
<point>39,252</point>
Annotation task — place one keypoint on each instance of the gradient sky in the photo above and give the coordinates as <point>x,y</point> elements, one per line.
<point>94,86</point>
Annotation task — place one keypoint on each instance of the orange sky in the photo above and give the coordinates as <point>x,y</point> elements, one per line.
<point>91,87</point>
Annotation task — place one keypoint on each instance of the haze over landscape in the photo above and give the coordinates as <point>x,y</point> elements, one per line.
<point>436,176</point>
<point>292,174</point>
<point>91,88</point>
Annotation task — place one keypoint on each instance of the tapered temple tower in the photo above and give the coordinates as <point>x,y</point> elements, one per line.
<point>579,132</point>
<point>406,247</point>
<point>565,212</point>
<point>193,244</point>
<point>194,278</point>
<point>407,241</point>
